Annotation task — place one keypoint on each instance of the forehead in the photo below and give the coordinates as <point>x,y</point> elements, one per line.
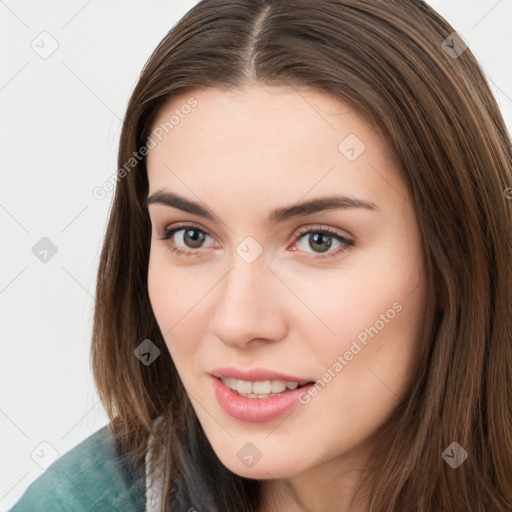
<point>263,142</point>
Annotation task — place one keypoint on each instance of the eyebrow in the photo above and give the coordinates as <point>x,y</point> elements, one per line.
<point>275,216</point>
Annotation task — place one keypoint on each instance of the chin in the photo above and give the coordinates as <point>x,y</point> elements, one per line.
<point>246,460</point>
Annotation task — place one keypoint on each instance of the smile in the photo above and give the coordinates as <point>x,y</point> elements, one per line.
<point>259,389</point>
<point>269,405</point>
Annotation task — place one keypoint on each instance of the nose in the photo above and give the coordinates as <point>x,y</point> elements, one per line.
<point>250,305</point>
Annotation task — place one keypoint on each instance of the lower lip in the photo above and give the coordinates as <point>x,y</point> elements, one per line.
<point>256,410</point>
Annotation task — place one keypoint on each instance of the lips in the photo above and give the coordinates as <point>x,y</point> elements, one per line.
<point>258,375</point>
<point>256,410</point>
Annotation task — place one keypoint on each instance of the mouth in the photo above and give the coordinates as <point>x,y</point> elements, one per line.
<point>258,401</point>
<point>261,389</point>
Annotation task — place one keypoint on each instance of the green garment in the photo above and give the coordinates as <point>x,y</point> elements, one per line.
<point>93,476</point>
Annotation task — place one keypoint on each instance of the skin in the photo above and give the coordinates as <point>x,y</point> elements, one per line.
<point>242,153</point>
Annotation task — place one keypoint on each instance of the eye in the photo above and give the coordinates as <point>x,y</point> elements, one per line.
<point>185,240</point>
<point>321,240</point>
<point>188,240</point>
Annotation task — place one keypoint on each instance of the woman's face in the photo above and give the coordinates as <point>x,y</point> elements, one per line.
<point>303,263</point>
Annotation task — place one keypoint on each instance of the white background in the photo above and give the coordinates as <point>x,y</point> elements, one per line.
<point>60,121</point>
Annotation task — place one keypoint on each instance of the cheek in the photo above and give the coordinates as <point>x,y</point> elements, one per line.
<point>370,364</point>
<point>381,359</point>
<point>173,290</point>
<point>159,289</point>
<point>175,294</point>
<point>374,297</point>
<point>368,339</point>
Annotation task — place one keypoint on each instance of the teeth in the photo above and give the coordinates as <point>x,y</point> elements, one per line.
<point>244,387</point>
<point>260,389</point>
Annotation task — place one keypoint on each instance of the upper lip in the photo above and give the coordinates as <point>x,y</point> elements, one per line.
<point>256,375</point>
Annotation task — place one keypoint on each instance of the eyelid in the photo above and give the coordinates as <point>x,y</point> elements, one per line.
<point>299,231</point>
<point>182,224</point>
<point>322,228</point>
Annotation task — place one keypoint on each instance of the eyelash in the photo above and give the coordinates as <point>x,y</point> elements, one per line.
<point>168,233</point>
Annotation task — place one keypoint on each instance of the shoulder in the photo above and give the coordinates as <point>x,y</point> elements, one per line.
<point>92,476</point>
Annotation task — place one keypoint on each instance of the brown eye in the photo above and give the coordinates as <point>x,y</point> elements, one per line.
<point>193,238</point>
<point>321,241</point>
<point>186,240</point>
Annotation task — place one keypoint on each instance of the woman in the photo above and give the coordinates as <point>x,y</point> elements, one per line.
<point>304,299</point>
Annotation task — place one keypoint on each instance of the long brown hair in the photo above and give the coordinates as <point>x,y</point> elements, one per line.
<point>399,64</point>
